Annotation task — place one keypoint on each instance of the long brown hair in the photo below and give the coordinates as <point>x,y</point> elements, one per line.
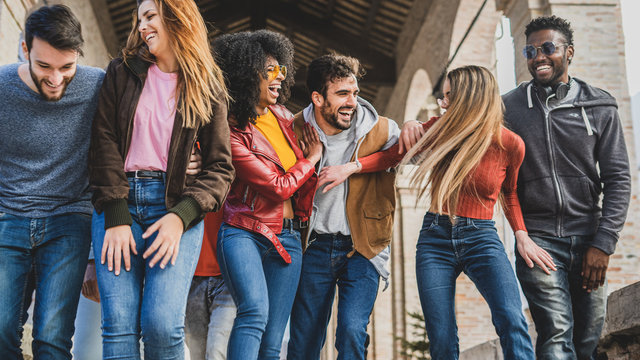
<point>200,81</point>
<point>456,143</point>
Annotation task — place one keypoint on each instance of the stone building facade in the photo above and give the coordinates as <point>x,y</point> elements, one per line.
<point>438,35</point>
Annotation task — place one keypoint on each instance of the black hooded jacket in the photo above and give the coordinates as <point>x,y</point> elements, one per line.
<point>574,153</point>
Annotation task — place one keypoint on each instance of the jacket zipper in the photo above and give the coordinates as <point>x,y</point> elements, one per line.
<point>554,173</point>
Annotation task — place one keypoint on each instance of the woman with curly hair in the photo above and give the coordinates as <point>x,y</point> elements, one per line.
<point>467,159</point>
<point>259,246</point>
<point>164,94</point>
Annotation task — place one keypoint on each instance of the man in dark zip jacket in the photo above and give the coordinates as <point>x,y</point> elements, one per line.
<point>575,151</point>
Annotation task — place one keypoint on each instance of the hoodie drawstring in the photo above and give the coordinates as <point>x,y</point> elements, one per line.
<point>586,121</point>
<point>530,102</point>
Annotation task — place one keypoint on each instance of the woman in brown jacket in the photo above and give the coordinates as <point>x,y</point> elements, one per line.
<point>161,98</point>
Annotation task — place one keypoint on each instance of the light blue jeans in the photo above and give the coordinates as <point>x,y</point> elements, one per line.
<point>48,255</point>
<point>210,315</point>
<point>263,287</point>
<point>568,319</point>
<point>158,316</point>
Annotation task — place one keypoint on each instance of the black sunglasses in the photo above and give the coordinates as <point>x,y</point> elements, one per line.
<point>547,48</point>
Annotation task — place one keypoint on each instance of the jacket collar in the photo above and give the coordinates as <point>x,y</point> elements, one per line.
<point>138,66</point>
<point>284,117</point>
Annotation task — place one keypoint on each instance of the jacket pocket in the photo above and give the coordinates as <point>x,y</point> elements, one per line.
<point>538,197</point>
<point>379,223</point>
<point>578,196</point>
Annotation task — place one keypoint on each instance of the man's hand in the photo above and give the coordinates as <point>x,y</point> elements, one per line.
<point>117,242</point>
<point>167,244</point>
<point>195,162</point>
<point>532,253</point>
<point>90,283</point>
<point>336,175</point>
<point>594,269</point>
<point>410,134</point>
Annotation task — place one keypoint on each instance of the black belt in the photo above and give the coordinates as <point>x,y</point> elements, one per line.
<point>146,174</point>
<point>294,224</point>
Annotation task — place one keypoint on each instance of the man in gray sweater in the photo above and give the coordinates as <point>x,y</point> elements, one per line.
<point>575,151</point>
<point>46,109</point>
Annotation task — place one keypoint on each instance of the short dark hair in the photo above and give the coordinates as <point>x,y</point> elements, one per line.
<point>327,68</point>
<point>550,23</point>
<point>242,57</point>
<point>56,25</point>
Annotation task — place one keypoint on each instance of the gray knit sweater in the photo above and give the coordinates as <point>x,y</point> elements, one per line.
<point>44,145</point>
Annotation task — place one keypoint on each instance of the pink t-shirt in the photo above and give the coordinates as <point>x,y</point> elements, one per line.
<point>153,122</point>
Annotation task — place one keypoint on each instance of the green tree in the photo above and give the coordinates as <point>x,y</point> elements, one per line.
<point>418,349</point>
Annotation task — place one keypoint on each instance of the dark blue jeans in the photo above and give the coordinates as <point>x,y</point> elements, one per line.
<point>52,253</point>
<point>263,287</point>
<point>325,264</point>
<point>568,319</point>
<point>145,302</point>
<point>473,246</point>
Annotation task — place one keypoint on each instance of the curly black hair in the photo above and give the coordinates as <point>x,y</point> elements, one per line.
<point>327,68</point>
<point>243,57</point>
<point>550,23</point>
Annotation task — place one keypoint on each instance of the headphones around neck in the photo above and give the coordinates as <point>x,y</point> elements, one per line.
<point>560,90</point>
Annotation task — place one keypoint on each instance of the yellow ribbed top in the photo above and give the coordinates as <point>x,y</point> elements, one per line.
<point>269,127</point>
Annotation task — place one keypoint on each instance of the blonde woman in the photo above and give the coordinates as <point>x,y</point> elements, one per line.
<point>161,97</point>
<point>469,159</point>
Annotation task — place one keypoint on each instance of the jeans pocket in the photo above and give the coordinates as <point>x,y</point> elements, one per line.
<point>482,224</point>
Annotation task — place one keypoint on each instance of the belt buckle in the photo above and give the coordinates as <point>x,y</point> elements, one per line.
<point>303,224</point>
<point>138,175</point>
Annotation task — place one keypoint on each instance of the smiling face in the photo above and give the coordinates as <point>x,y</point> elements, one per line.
<point>270,87</point>
<point>339,106</point>
<point>51,69</point>
<point>548,70</point>
<point>152,29</point>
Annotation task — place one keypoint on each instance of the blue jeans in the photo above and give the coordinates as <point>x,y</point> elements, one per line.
<point>325,264</point>
<point>568,319</point>
<point>473,246</point>
<point>49,255</point>
<point>87,342</point>
<point>210,315</point>
<point>158,316</point>
<point>263,287</point>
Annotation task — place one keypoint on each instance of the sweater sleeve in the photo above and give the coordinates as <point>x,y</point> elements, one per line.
<point>388,158</point>
<point>514,147</point>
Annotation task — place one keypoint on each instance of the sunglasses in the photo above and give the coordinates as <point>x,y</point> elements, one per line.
<point>277,69</point>
<point>547,48</point>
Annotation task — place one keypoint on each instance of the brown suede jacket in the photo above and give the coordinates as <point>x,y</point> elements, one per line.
<point>189,197</point>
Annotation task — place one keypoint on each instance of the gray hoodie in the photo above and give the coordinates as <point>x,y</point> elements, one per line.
<point>329,214</point>
<point>575,151</point>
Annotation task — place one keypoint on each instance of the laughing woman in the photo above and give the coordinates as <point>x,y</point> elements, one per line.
<point>161,97</point>
<point>259,247</point>
<point>469,160</point>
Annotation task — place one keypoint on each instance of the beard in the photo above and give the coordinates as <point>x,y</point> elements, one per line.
<point>39,85</point>
<point>555,77</point>
<point>332,117</point>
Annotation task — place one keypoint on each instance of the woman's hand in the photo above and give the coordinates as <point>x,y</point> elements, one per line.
<point>117,242</point>
<point>311,144</point>
<point>90,283</point>
<point>167,243</point>
<point>532,253</point>
<point>337,174</point>
<point>195,162</point>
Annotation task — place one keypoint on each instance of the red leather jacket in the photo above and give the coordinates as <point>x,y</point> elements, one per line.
<point>261,185</point>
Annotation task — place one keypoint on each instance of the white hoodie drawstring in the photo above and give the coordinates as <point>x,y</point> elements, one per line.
<point>587,124</point>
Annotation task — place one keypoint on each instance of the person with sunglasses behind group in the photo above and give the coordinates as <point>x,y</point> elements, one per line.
<point>575,151</point>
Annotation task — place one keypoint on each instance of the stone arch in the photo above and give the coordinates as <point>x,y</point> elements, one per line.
<point>420,102</point>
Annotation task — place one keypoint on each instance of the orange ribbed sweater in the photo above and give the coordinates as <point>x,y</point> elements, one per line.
<point>496,172</point>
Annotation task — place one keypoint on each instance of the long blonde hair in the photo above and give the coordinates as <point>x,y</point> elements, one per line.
<point>454,145</point>
<point>200,81</point>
